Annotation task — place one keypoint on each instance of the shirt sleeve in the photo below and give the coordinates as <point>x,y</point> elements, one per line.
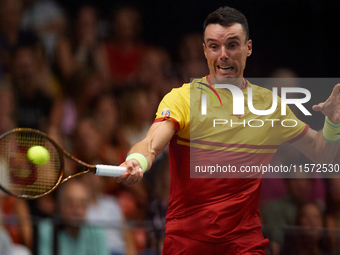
<point>175,106</point>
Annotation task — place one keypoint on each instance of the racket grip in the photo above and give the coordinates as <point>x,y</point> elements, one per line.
<point>107,170</point>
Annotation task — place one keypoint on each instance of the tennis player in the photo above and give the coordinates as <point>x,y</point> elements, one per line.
<point>221,215</point>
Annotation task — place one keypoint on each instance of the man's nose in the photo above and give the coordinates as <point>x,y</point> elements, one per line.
<point>224,53</point>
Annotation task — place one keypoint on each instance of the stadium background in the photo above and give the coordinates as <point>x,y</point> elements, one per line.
<point>301,35</point>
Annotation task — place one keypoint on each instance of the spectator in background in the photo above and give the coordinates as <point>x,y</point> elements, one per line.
<point>124,49</point>
<point>16,220</point>
<point>105,211</point>
<point>91,146</point>
<point>71,236</point>
<point>10,33</point>
<point>34,107</point>
<point>82,48</point>
<point>5,243</point>
<point>37,104</point>
<point>282,212</point>
<point>45,206</point>
<point>45,74</point>
<point>47,20</point>
<point>332,213</point>
<point>154,71</point>
<point>106,115</point>
<point>106,120</point>
<point>133,202</point>
<point>81,93</point>
<point>52,87</point>
<point>7,106</point>
<point>307,235</point>
<point>158,185</point>
<point>40,76</point>
<point>138,107</point>
<point>192,61</point>
<point>5,240</point>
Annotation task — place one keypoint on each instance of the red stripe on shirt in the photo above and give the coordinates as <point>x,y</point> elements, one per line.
<point>173,120</point>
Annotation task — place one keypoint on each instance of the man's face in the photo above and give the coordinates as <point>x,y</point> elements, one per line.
<point>74,204</point>
<point>226,50</point>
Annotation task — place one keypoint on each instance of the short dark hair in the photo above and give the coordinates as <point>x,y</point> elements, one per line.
<point>227,16</point>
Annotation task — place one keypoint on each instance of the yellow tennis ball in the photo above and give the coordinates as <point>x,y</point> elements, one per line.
<point>38,155</point>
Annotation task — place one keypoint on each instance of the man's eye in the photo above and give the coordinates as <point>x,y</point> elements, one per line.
<point>214,46</point>
<point>233,45</point>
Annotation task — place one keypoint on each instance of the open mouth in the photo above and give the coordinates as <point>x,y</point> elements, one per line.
<point>225,68</point>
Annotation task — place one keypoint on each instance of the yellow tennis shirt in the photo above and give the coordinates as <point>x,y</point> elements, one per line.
<point>219,206</point>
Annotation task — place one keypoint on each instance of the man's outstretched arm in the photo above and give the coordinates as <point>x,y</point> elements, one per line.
<point>321,146</point>
<point>146,151</point>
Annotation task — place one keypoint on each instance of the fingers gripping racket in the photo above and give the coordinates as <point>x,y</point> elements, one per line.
<point>21,178</point>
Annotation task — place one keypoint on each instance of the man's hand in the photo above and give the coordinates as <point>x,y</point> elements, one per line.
<point>331,108</point>
<point>133,175</point>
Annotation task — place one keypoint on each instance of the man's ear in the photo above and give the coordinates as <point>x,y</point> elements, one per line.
<point>250,47</point>
<point>204,50</point>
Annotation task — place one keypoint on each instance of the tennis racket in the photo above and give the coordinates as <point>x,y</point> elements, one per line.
<point>22,179</point>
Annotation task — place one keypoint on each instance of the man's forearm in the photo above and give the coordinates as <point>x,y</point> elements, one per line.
<point>155,141</point>
<point>316,147</point>
<point>324,151</point>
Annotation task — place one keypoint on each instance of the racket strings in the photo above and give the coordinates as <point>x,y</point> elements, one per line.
<point>18,175</point>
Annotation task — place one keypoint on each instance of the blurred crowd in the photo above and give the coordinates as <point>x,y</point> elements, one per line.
<point>93,85</point>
